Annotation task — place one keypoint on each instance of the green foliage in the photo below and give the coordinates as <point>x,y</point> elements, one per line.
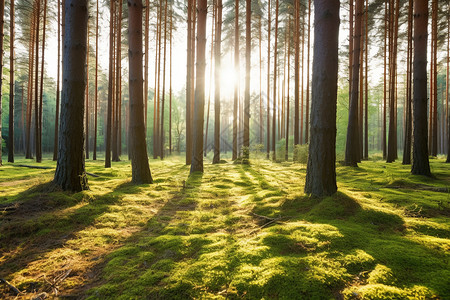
<point>301,153</point>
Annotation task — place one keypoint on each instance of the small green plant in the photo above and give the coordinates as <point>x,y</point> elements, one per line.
<point>301,153</point>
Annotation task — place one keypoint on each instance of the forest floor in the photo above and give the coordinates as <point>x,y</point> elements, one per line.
<point>237,231</point>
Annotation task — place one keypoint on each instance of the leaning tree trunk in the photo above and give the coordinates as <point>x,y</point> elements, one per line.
<point>217,66</point>
<point>199,108</point>
<point>70,173</point>
<point>140,170</point>
<point>352,152</point>
<point>321,170</point>
<point>421,164</point>
<point>11,87</point>
<point>248,46</point>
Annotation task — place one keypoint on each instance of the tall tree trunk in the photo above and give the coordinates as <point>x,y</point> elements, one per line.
<point>213,22</point>
<point>86,139</point>
<point>268,77</point>
<point>448,88</point>
<point>366,85</point>
<point>162,143</point>
<point>36,87</point>
<point>197,156</point>
<point>2,21</point>
<point>421,165</point>
<point>321,169</point>
<point>140,170</point>
<point>261,139</point>
<point>307,74</point>
<point>275,67</point>
<point>70,172</point>
<point>352,146</point>
<point>434,125</point>
<point>217,88</point>
<point>156,90</point>
<point>296,78</point>
<point>383,127</point>
<point>30,82</point>
<point>170,82</point>
<point>58,92</point>
<point>157,138</point>
<point>188,85</point>
<point>286,155</point>
<point>110,88</point>
<point>94,155</point>
<point>302,113</point>
<point>248,49</point>
<point>118,95</point>
<point>351,46</point>
<point>392,140</point>
<point>408,121</point>
<point>146,59</point>
<point>11,86</point>
<point>236,82</point>
<point>41,91</point>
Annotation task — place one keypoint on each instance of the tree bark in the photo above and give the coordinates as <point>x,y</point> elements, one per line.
<point>408,121</point>
<point>447,89</point>
<point>94,155</point>
<point>248,49</point>
<point>236,81</point>
<point>86,139</point>
<point>70,172</point>
<point>217,89</point>
<point>188,85</point>
<point>11,86</point>
<point>199,108</point>
<point>140,170</point>
<point>161,138</point>
<point>2,21</point>
<point>352,156</point>
<point>296,77</point>
<point>421,165</point>
<point>286,155</point>
<point>307,74</point>
<point>383,125</point>
<point>275,67</point>
<point>37,116</point>
<point>321,169</point>
<point>268,77</point>
<point>110,88</point>
<point>58,92</point>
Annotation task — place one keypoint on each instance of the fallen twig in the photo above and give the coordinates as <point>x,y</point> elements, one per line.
<point>35,167</point>
<point>11,287</point>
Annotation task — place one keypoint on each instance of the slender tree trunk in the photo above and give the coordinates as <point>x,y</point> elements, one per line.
<point>118,95</point>
<point>146,59</point>
<point>448,88</point>
<point>41,90</point>
<point>321,170</point>
<point>366,86</point>
<point>352,145</point>
<point>2,21</point>
<point>217,88</point>
<point>268,77</point>
<point>70,172</point>
<point>351,46</point>
<point>408,121</point>
<point>261,130</point>
<point>170,82</point>
<point>140,170</point>
<point>197,156</point>
<point>110,88</point>
<point>94,155</point>
<point>383,127</point>
<point>248,49</point>
<point>275,67</point>
<point>286,156</point>
<point>302,113</point>
<point>361,88</point>
<point>392,141</point>
<point>11,86</point>
<point>188,85</point>
<point>296,78</point>
<point>236,82</point>
<point>30,83</point>
<point>156,90</point>
<point>213,22</point>
<point>307,74</point>
<point>434,147</point>
<point>58,92</point>
<point>157,138</point>
<point>87,98</point>
<point>162,143</point>
<point>36,87</point>
<point>421,165</point>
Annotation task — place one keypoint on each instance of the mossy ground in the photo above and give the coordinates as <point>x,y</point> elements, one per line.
<point>237,231</point>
